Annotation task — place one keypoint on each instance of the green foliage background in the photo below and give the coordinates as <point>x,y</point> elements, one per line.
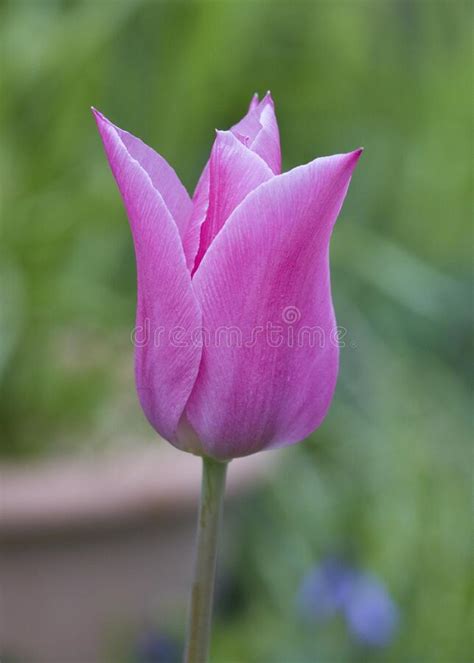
<point>387,477</point>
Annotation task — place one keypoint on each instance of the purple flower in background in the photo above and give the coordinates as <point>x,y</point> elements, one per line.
<point>154,647</point>
<point>335,588</point>
<point>371,614</point>
<point>325,589</point>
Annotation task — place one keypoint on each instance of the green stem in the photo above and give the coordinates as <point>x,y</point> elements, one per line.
<point>210,512</point>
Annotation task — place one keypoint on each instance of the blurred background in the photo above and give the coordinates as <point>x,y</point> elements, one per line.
<point>353,546</point>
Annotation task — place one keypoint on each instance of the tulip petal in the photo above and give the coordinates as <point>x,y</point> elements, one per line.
<point>249,126</point>
<point>257,130</point>
<point>198,215</point>
<point>254,102</point>
<point>260,128</point>
<point>268,271</point>
<point>267,141</point>
<point>162,175</point>
<point>234,172</point>
<point>166,363</point>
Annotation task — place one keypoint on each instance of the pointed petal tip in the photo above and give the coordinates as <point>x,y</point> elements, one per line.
<point>268,99</point>
<point>351,158</point>
<point>356,154</point>
<point>254,102</point>
<point>99,117</point>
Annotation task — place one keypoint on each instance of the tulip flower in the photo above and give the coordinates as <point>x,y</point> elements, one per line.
<point>249,250</point>
<point>233,286</point>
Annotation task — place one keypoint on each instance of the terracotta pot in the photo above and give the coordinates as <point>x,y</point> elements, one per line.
<point>90,546</point>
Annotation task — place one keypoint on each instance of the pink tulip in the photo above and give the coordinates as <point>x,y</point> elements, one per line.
<point>232,285</point>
